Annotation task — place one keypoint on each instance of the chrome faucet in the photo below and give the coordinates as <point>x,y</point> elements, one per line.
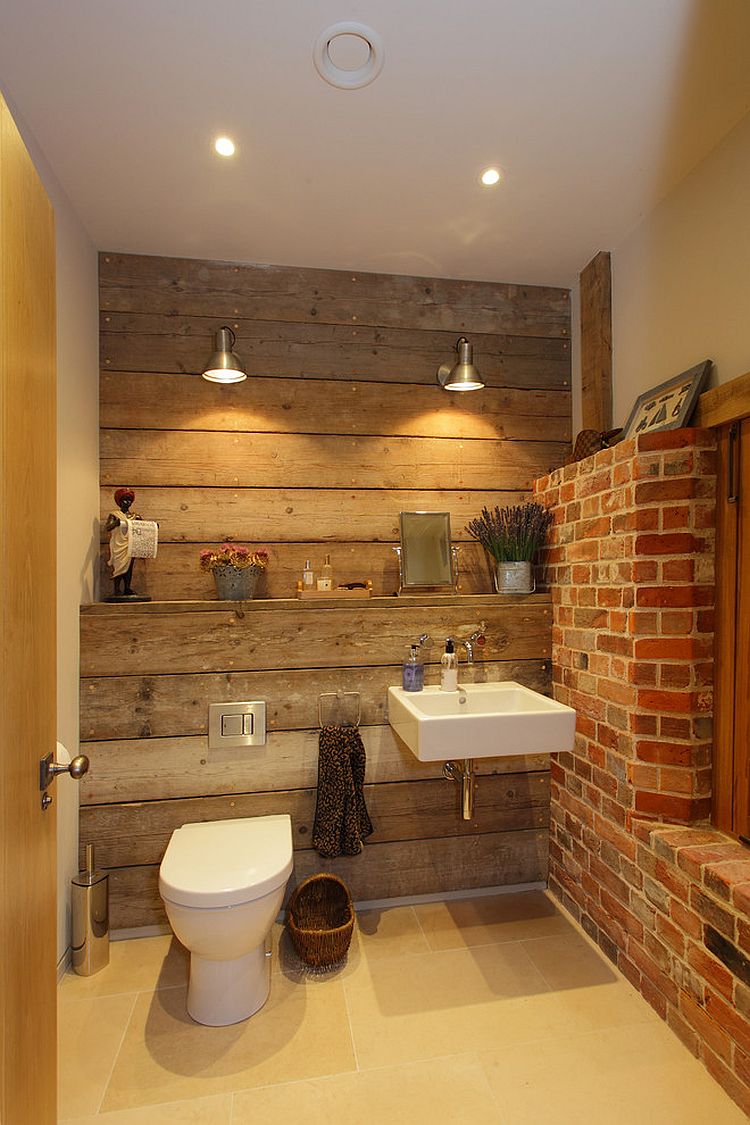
<point>477,637</point>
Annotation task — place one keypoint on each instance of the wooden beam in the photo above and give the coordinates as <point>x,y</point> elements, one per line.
<point>725,403</point>
<point>596,344</point>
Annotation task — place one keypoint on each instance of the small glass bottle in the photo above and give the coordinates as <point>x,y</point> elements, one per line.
<point>308,578</point>
<point>325,581</point>
<point>412,675</point>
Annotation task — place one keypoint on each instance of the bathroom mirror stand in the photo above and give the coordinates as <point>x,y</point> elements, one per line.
<point>427,560</point>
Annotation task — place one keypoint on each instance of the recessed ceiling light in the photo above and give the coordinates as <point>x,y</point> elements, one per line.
<point>348,55</point>
<point>490,176</point>
<point>224,146</point>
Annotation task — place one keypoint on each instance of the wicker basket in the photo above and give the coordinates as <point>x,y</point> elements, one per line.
<point>320,920</point>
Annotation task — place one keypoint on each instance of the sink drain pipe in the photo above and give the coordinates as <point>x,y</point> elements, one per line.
<point>463,773</point>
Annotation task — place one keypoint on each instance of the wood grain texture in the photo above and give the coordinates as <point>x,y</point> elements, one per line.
<point>225,290</point>
<point>164,768</point>
<point>725,403</point>
<point>255,515</point>
<point>28,683</point>
<point>725,642</point>
<point>133,834</point>
<point>312,637</point>
<point>163,705</point>
<point>146,401</point>
<point>596,344</point>
<point>176,576</point>
<point>384,871</point>
<point>307,350</point>
<point>238,460</point>
<point>339,427</point>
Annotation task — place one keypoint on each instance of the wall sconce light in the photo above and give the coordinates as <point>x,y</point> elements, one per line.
<point>224,366</point>
<point>461,376</point>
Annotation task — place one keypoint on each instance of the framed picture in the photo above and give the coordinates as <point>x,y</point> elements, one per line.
<point>668,406</point>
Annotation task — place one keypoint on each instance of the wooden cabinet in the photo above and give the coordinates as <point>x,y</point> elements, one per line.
<point>732,652</point>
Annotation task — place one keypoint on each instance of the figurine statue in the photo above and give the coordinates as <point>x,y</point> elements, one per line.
<point>121,556</point>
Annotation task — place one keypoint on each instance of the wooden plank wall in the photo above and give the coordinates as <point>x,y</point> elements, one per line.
<point>339,426</point>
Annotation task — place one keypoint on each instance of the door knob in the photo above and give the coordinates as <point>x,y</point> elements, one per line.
<point>49,769</point>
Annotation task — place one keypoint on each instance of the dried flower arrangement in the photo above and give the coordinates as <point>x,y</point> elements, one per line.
<point>512,534</point>
<point>230,554</point>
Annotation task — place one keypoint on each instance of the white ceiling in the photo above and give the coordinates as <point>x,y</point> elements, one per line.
<point>594,108</point>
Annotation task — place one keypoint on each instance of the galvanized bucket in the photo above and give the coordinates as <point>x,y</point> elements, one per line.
<point>514,578</point>
<point>234,585</point>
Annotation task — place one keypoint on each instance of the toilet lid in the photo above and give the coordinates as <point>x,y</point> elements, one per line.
<point>226,862</point>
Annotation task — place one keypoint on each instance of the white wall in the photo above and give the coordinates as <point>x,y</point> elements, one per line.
<point>681,280</point>
<point>77,490</point>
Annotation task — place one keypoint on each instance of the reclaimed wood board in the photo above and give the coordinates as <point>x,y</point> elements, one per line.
<point>147,401</point>
<point>166,705</point>
<point>308,350</point>
<point>316,636</point>
<point>387,870</point>
<point>225,290</point>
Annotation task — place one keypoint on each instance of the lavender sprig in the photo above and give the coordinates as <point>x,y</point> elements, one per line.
<point>512,534</point>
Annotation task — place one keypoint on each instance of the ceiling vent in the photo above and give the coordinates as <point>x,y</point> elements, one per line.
<point>348,55</point>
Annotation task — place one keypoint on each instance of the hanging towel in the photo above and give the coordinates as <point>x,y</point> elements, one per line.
<point>341,818</point>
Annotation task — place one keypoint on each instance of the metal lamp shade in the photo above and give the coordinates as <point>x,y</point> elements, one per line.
<point>463,376</point>
<point>224,366</point>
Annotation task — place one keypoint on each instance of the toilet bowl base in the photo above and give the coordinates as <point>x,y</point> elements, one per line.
<point>223,992</point>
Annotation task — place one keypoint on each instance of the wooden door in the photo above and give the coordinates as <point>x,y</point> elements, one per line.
<point>27,626</point>
<point>731,782</point>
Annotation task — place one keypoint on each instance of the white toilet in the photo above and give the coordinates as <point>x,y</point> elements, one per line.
<point>223,884</point>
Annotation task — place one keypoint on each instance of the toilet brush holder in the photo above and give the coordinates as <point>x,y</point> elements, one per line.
<point>90,918</point>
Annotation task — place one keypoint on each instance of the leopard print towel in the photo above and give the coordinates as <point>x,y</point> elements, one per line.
<point>341,818</point>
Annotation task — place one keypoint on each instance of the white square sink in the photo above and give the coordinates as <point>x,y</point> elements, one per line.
<point>480,721</point>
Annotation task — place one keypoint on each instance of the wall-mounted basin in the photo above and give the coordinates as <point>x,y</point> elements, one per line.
<point>480,721</point>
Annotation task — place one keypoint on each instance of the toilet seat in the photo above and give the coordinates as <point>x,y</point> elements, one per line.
<point>224,863</point>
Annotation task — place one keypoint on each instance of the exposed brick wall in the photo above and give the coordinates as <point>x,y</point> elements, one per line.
<point>631,574</point>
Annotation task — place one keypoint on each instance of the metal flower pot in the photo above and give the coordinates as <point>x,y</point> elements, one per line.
<point>514,578</point>
<point>233,585</point>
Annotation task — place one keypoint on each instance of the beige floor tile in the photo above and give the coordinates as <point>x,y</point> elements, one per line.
<point>199,1111</point>
<point>490,919</point>
<point>89,1033</point>
<point>302,1032</point>
<point>391,932</point>
<point>449,1091</point>
<point>617,1077</point>
<point>404,1009</point>
<point>570,962</point>
<point>136,965</point>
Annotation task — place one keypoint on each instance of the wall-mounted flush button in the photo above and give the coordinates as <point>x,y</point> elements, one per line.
<point>236,724</point>
<point>231,726</point>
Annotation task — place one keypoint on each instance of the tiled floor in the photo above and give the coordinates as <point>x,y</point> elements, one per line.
<point>487,1010</point>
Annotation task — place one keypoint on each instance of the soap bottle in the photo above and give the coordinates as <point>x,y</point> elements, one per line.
<point>308,578</point>
<point>325,581</point>
<point>449,667</point>
<point>413,671</point>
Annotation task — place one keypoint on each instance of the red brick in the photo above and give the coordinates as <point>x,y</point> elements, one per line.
<point>670,934</point>
<point>733,1023</point>
<point>741,897</point>
<point>693,859</point>
<point>672,648</point>
<point>686,919</point>
<point>721,877</point>
<point>678,570</point>
<point>674,596</point>
<point>676,517</point>
<point>679,702</point>
<point>675,439</point>
<point>664,804</point>
<point>663,491</point>
<point>676,543</point>
<point>664,753</point>
<point>711,912</point>
<point>717,1039</point>
<point>712,971</point>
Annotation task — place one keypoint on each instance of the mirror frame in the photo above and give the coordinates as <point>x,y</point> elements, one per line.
<point>446,576</point>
